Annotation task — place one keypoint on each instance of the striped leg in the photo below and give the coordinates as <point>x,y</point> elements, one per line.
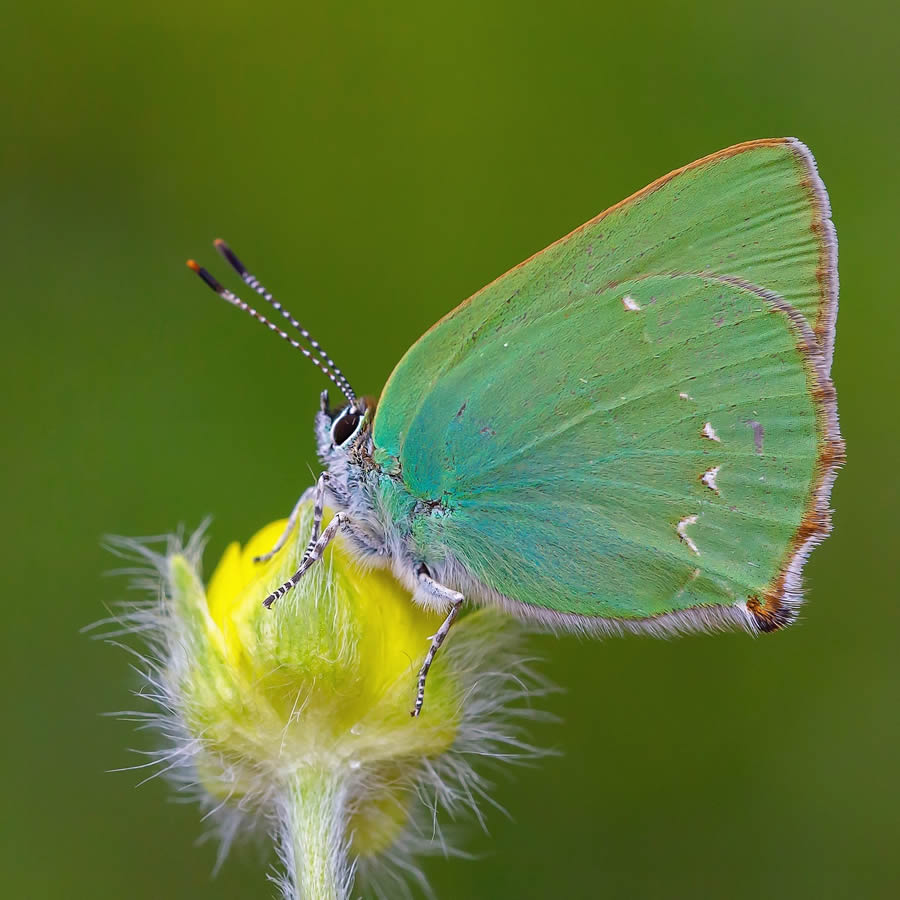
<point>313,554</point>
<point>456,601</point>
<point>318,510</point>
<point>291,522</point>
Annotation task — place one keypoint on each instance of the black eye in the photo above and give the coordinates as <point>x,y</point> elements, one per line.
<point>344,427</point>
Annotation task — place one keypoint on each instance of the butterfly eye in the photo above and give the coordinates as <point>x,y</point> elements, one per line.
<point>345,426</point>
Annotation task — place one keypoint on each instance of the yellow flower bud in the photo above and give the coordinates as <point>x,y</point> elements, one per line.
<point>297,717</point>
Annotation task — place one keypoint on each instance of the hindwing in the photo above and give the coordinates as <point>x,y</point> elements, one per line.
<point>636,427</point>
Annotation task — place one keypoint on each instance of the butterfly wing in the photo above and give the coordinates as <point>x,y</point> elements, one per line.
<point>636,427</point>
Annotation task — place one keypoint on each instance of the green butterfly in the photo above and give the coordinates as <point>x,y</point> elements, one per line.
<point>633,430</point>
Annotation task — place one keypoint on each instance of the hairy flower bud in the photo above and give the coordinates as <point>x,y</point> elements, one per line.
<point>296,719</point>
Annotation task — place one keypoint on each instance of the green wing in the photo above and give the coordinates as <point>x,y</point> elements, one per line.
<point>636,427</point>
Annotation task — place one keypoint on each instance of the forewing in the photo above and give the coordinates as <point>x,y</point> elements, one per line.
<point>638,422</point>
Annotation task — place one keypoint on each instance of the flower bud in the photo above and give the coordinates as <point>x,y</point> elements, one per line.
<point>296,718</point>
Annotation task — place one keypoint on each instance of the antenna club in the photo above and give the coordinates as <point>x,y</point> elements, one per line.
<point>207,278</point>
<point>230,256</point>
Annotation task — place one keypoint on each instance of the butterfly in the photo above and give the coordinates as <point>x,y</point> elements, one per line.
<point>634,430</point>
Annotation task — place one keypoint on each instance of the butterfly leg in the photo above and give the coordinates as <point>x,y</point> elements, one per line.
<point>318,490</point>
<point>313,553</point>
<point>455,599</point>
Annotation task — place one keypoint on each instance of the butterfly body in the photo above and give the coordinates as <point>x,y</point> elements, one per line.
<point>635,429</point>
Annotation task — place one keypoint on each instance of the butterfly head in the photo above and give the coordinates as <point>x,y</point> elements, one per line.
<point>345,430</point>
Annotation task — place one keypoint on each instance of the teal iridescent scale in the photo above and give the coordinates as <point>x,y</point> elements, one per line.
<point>638,421</point>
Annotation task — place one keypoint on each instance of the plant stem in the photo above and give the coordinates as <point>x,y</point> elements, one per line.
<point>313,837</point>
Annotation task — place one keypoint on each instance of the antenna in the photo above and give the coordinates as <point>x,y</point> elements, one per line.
<point>342,384</point>
<point>254,284</point>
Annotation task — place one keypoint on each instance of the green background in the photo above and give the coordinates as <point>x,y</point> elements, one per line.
<point>378,163</point>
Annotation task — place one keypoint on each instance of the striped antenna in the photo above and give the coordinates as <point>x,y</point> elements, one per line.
<point>234,300</point>
<point>254,284</point>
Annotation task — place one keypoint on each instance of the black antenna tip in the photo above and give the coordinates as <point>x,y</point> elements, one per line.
<point>191,264</point>
<point>228,253</point>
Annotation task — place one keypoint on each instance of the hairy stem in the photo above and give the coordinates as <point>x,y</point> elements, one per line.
<point>313,837</point>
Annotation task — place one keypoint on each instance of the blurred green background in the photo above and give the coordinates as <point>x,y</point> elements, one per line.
<point>450,142</point>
